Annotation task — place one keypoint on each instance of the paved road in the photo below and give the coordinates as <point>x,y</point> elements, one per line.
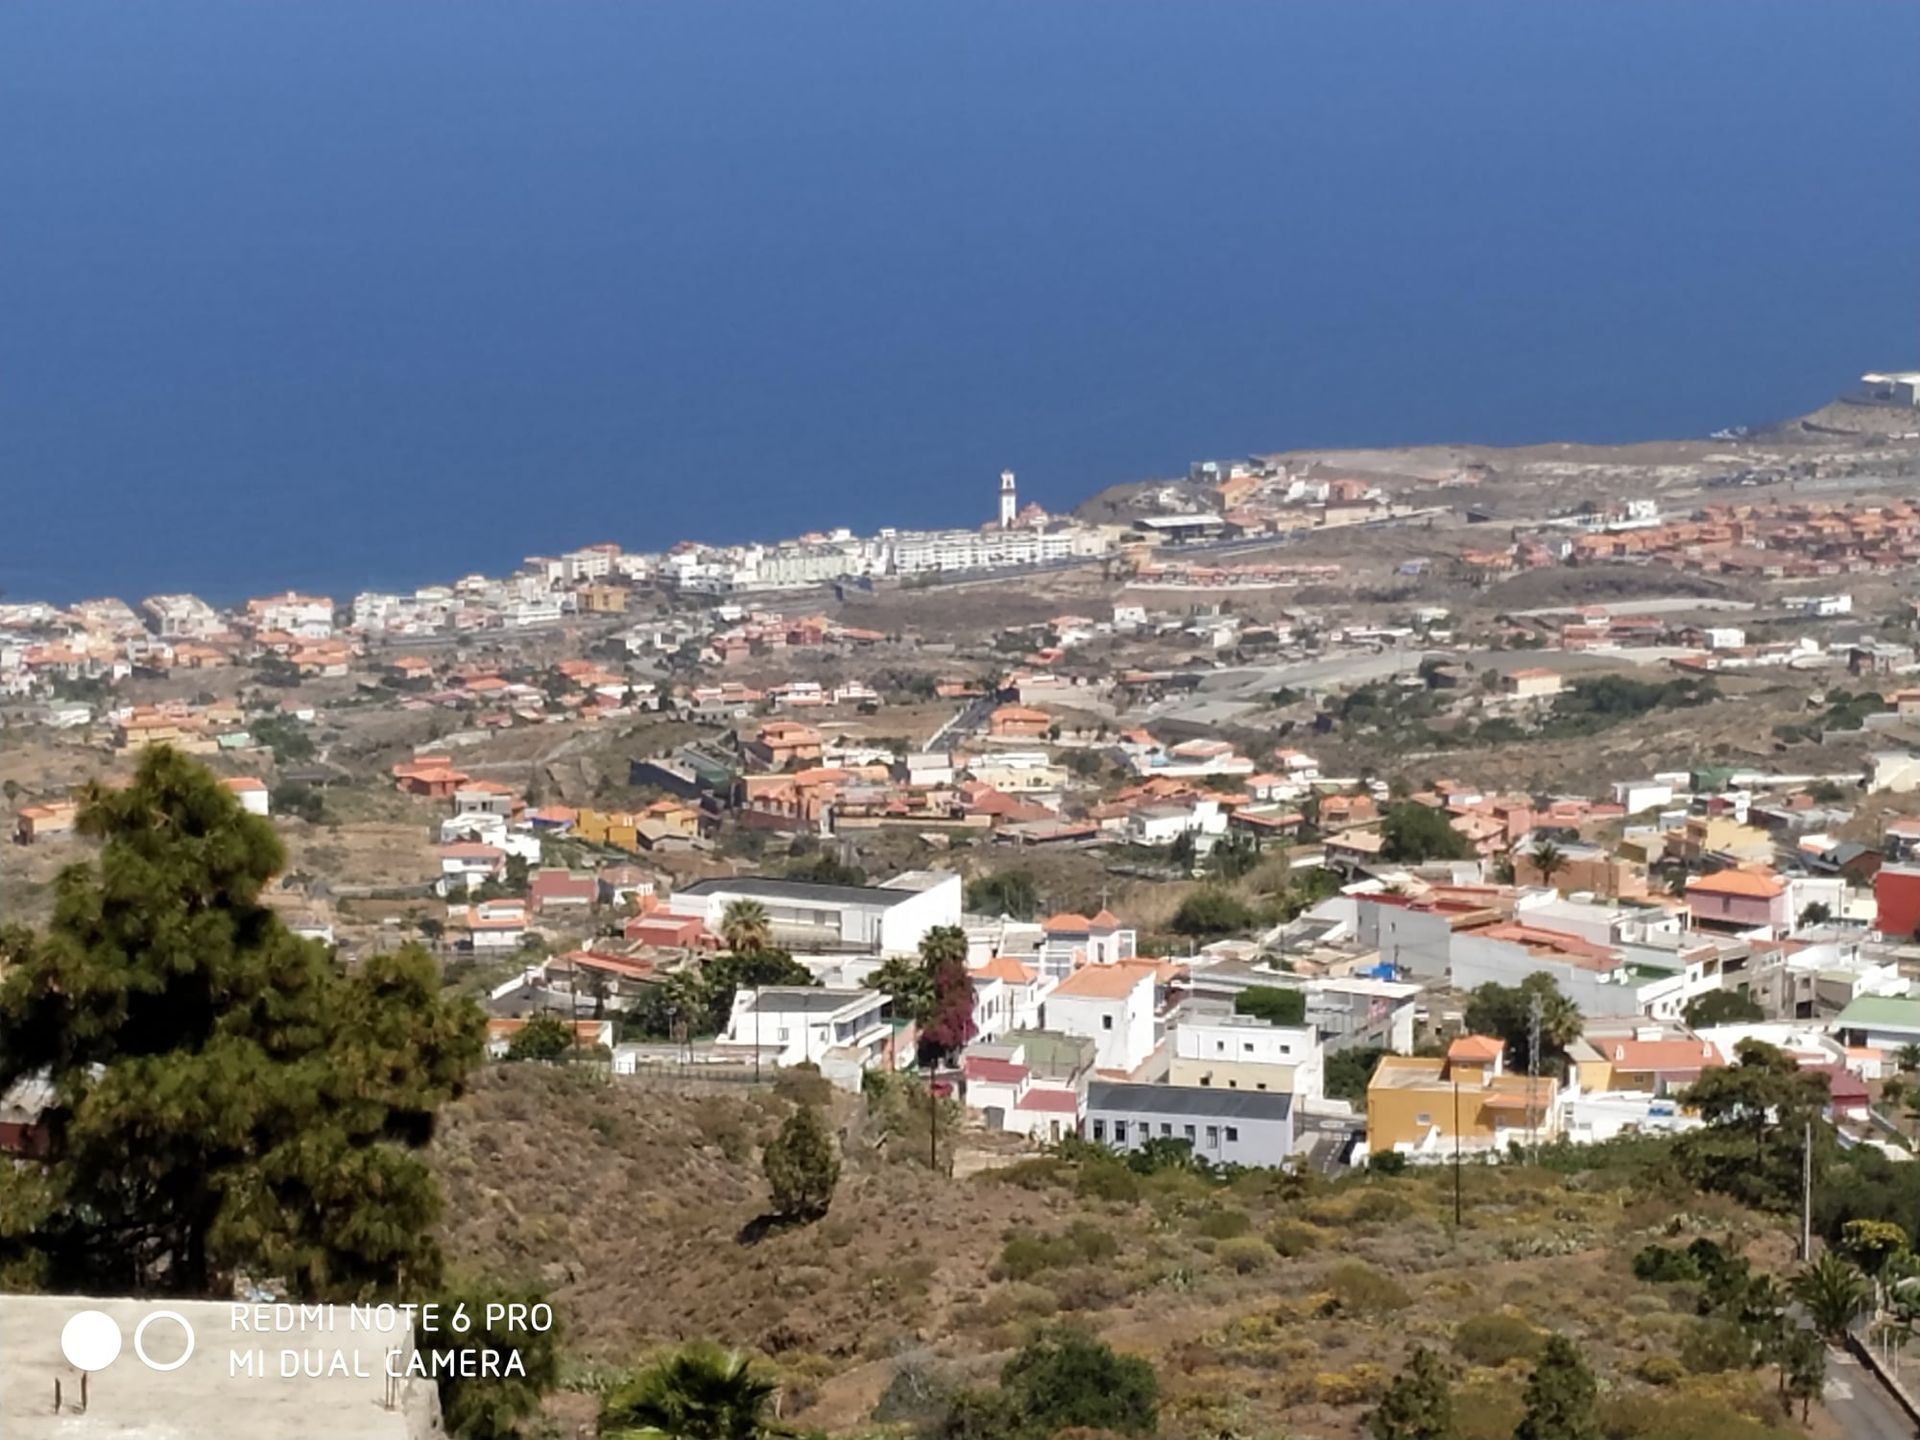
<point>1856,1401</point>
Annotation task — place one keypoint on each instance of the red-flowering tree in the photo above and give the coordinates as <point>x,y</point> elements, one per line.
<point>949,1023</point>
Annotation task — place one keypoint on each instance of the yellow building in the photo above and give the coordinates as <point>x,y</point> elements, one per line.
<point>1418,1103</point>
<point>603,599</point>
<point>1723,835</point>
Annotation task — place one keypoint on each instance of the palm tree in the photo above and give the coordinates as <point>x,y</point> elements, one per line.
<point>746,928</point>
<point>1549,859</point>
<point>700,1392</point>
<point>1806,1369</point>
<point>1907,1057</point>
<point>1832,1292</point>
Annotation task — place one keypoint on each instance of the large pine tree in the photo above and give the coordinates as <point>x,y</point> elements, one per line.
<point>1419,1403</point>
<point>223,1097</point>
<point>1560,1396</point>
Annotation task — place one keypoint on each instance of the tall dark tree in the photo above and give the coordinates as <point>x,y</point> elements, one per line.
<point>949,1025</point>
<point>908,984</point>
<point>1004,892</point>
<point>221,1096</point>
<point>1506,1012</point>
<point>1759,1111</point>
<point>1559,1396</point>
<point>1722,1007</point>
<point>801,1166</point>
<point>1413,832</point>
<point>1419,1403</point>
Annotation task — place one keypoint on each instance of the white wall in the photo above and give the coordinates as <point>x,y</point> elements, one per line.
<point>1121,1029</point>
<point>1286,1047</point>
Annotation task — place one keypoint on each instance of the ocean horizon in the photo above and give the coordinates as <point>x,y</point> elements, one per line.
<point>467,284</point>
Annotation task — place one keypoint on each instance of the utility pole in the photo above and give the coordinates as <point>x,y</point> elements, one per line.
<point>1806,1194</point>
<point>756,1037</point>
<point>1533,1071</point>
<point>933,1121</point>
<point>1456,1162</point>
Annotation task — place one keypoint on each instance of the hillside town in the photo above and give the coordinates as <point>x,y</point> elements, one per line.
<point>1219,775</point>
<point>1298,818</point>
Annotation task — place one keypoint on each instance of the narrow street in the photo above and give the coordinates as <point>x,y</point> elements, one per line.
<point>1859,1405</point>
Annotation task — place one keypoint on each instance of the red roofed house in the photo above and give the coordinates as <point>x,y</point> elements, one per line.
<point>463,867</point>
<point>665,931</point>
<point>1740,900</point>
<point>780,743</point>
<point>1034,1086</point>
<point>1111,1005</point>
<point>1018,722</point>
<point>1025,989</point>
<point>550,890</point>
<point>41,822</point>
<point>430,776</point>
<point>1642,1059</point>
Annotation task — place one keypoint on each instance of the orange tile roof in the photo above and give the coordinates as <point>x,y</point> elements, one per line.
<point>1753,884</point>
<point>1105,982</point>
<point>1005,967</point>
<point>1476,1049</point>
<point>1682,1055</point>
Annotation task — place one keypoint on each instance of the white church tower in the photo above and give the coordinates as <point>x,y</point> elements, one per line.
<point>1009,502</point>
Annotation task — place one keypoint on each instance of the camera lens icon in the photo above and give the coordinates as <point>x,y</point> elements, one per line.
<point>91,1340</point>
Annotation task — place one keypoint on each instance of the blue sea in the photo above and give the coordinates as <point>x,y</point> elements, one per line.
<point>352,293</point>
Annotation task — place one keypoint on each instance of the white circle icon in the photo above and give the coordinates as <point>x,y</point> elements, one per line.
<point>140,1335</point>
<point>90,1340</point>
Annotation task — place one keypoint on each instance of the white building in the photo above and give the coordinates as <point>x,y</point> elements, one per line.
<point>463,866</point>
<point>1022,990</point>
<point>917,552</point>
<point>1241,1052</point>
<point>1069,941</point>
<point>1111,1005</point>
<point>805,1025</point>
<point>182,617</point>
<point>1164,823</point>
<point>306,617</point>
<point>251,793</point>
<point>888,919</point>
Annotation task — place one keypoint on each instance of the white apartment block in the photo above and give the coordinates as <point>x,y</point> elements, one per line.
<point>918,552</point>
<point>182,617</point>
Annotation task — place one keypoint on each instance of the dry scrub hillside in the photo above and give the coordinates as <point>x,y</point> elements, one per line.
<point>1274,1305</point>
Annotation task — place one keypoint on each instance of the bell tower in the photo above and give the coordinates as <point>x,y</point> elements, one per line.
<point>1009,501</point>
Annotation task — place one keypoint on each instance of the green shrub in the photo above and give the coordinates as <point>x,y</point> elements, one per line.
<point>1713,1347</point>
<point>1018,1301</point>
<point>1073,1381</point>
<point>1222,1224</point>
<point>1363,1290</point>
<point>1292,1238</point>
<point>1107,1180</point>
<point>1244,1254</point>
<point>1664,1264</point>
<point>1042,1172</point>
<point>1026,1254</point>
<point>1494,1339</point>
<point>1661,1370</point>
<point>1381,1205</point>
<point>803,1084</point>
<point>1088,1287</point>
